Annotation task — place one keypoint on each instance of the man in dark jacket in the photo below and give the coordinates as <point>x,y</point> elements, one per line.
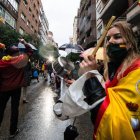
<point>11,80</point>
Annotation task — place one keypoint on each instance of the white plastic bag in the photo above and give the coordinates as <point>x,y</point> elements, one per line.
<point>72,103</point>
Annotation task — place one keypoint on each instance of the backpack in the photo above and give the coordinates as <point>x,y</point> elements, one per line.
<point>35,73</point>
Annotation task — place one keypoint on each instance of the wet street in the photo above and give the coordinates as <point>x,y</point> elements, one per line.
<point>37,120</point>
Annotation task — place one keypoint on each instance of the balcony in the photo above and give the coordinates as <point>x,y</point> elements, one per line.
<point>88,26</point>
<point>89,42</point>
<point>82,26</point>
<point>133,13</point>
<point>113,7</point>
<point>90,9</point>
<point>7,5</point>
<point>81,37</point>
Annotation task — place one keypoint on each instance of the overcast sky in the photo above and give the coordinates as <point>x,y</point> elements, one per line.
<point>60,15</point>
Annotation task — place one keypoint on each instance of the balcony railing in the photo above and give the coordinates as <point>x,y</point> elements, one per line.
<point>90,9</point>
<point>7,5</point>
<point>88,26</point>
<point>133,13</point>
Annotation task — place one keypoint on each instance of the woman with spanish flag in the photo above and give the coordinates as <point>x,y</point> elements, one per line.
<point>118,116</point>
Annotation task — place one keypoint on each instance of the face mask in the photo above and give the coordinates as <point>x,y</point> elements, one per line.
<point>116,53</point>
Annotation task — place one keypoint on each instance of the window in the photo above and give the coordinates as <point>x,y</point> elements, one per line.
<point>23,16</point>
<point>2,12</point>
<point>32,28</point>
<point>14,4</point>
<point>36,12</point>
<point>7,17</point>
<point>30,11</point>
<point>33,16</point>
<point>28,23</point>
<point>36,22</point>
<point>21,31</point>
<point>25,2</point>
<point>38,2</point>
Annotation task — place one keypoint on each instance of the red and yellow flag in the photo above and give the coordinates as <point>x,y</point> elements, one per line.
<point>116,116</point>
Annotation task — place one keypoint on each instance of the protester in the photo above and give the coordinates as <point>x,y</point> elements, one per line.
<point>44,71</point>
<point>27,77</point>
<point>2,48</point>
<point>118,118</point>
<point>12,79</point>
<point>36,73</point>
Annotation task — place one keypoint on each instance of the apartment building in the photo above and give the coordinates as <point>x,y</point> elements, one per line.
<point>86,26</point>
<point>93,15</point>
<point>25,16</point>
<point>43,27</point>
<point>128,10</point>
<point>28,16</point>
<point>75,30</point>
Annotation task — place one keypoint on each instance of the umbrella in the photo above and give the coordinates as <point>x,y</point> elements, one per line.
<point>71,132</point>
<point>71,48</point>
<point>22,46</point>
<point>32,46</point>
<point>99,54</point>
<point>62,53</point>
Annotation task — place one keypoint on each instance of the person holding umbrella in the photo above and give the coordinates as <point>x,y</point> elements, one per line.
<point>12,79</point>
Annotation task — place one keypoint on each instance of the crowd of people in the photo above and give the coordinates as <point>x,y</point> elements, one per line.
<point>117,116</point>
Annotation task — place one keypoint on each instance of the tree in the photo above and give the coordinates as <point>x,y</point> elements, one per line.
<point>33,39</point>
<point>8,35</point>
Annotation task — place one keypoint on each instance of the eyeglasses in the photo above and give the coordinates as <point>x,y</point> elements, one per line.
<point>115,36</point>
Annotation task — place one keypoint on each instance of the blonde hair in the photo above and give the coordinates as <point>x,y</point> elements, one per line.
<point>133,54</point>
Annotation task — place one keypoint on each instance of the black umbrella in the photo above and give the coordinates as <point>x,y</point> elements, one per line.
<point>71,132</point>
<point>75,48</point>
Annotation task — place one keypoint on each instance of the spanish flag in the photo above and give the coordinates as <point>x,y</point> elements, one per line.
<point>115,117</point>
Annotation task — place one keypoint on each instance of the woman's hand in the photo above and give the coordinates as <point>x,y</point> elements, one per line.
<point>69,81</point>
<point>89,63</point>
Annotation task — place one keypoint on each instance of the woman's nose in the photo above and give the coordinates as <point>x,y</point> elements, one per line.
<point>111,40</point>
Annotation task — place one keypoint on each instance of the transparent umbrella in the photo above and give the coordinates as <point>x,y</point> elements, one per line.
<point>22,46</point>
<point>32,46</point>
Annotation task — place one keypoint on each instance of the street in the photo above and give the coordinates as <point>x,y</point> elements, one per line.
<point>37,120</point>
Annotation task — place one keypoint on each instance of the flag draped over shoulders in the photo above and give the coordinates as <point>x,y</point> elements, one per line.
<point>12,72</point>
<point>120,107</point>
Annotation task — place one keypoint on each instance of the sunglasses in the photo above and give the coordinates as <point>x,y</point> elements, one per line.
<point>115,36</point>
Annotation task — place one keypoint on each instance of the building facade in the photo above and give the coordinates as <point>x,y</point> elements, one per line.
<point>86,26</point>
<point>75,30</point>
<point>128,10</point>
<point>43,27</point>
<point>93,15</point>
<point>9,12</point>
<point>28,16</point>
